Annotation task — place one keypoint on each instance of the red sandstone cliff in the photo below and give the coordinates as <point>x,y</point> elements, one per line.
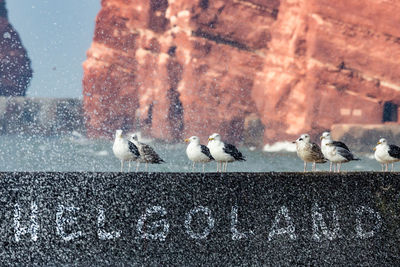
<point>15,66</point>
<point>179,68</point>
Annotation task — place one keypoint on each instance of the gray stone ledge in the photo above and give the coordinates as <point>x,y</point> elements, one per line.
<point>200,219</point>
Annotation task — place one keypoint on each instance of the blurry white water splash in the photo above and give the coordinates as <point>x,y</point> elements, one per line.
<point>78,153</point>
<point>285,146</point>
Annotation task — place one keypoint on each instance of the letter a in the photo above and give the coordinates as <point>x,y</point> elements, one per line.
<point>289,229</point>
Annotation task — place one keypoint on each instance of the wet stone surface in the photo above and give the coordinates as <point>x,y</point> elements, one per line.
<point>191,219</point>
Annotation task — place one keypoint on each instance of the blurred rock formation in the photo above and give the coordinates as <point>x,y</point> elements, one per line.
<point>40,116</point>
<point>15,65</point>
<point>196,67</point>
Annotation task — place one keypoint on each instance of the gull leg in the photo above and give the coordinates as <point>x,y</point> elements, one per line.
<point>392,166</point>
<point>129,166</point>
<point>382,166</point>
<point>146,167</point>
<point>217,166</point>
<point>137,166</point>
<point>386,167</point>
<point>340,164</point>
<point>314,166</point>
<point>203,166</point>
<point>330,166</point>
<point>193,166</point>
<point>226,166</point>
<point>305,166</point>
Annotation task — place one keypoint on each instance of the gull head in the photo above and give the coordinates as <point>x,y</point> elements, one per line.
<point>382,141</point>
<point>214,136</point>
<point>304,138</point>
<point>118,133</point>
<point>326,135</point>
<point>134,137</point>
<point>193,139</point>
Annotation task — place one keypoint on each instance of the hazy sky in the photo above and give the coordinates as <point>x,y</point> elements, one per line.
<point>56,34</point>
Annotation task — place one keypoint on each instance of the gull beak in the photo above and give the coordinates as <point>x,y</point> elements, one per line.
<point>379,143</point>
<point>321,137</point>
<point>294,142</point>
<point>374,148</point>
<point>210,139</point>
<point>186,140</point>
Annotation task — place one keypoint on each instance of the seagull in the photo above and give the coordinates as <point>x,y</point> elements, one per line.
<point>124,150</point>
<point>223,153</point>
<point>197,152</point>
<point>335,151</point>
<point>308,152</point>
<point>147,153</point>
<point>385,153</point>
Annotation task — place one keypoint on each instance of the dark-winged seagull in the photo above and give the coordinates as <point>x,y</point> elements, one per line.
<point>222,152</point>
<point>197,152</point>
<point>124,150</point>
<point>335,151</point>
<point>385,153</point>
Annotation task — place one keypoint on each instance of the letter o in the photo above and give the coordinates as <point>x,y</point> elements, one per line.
<point>189,218</point>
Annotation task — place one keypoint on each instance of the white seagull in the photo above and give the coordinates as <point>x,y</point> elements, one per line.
<point>223,153</point>
<point>335,151</point>
<point>197,152</point>
<point>385,153</point>
<point>124,150</point>
<point>147,153</point>
<point>308,152</point>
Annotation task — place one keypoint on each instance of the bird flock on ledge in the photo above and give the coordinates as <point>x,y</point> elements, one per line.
<point>336,152</point>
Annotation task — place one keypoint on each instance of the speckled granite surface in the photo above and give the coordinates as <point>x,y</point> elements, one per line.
<point>200,219</point>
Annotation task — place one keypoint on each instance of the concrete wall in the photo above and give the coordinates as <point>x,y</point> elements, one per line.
<point>192,219</point>
<point>40,116</point>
